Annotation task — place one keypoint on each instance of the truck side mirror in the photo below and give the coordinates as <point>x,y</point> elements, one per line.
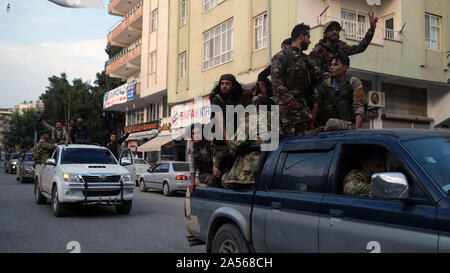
<point>50,161</point>
<point>390,186</point>
<point>125,162</point>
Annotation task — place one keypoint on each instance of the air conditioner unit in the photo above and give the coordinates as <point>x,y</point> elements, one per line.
<point>377,99</point>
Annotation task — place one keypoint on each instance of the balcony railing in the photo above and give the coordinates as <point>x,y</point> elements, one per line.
<point>130,12</point>
<point>124,52</point>
<point>355,30</point>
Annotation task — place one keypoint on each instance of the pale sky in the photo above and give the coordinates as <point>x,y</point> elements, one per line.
<point>39,39</point>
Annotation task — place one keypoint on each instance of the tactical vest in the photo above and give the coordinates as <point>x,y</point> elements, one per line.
<point>299,76</point>
<point>338,104</point>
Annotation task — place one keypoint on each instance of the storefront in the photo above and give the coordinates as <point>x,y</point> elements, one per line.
<point>140,134</point>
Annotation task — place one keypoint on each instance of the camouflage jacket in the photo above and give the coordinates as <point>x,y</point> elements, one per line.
<point>344,104</point>
<point>358,183</point>
<point>322,54</point>
<point>293,76</point>
<point>42,151</point>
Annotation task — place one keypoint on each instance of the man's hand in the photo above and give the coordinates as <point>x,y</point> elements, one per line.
<point>373,21</point>
<point>293,104</point>
<point>216,172</point>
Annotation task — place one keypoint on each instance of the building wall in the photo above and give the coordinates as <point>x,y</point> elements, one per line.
<point>246,62</point>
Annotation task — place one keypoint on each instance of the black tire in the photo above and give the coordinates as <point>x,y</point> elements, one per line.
<point>166,190</point>
<point>58,208</point>
<point>124,208</point>
<point>39,198</point>
<point>229,239</point>
<point>142,186</point>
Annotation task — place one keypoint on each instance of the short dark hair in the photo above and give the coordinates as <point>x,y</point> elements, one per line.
<point>344,59</point>
<point>298,30</point>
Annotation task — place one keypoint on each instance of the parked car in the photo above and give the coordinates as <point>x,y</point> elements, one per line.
<point>25,168</point>
<point>141,168</point>
<point>298,203</point>
<point>84,175</point>
<point>11,167</point>
<point>168,177</point>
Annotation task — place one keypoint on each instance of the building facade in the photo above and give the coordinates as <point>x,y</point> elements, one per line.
<point>407,59</point>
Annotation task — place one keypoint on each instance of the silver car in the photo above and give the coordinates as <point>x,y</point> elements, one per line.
<point>25,168</point>
<point>168,177</point>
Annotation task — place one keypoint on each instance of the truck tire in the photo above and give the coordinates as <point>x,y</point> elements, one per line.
<point>58,208</point>
<point>142,186</point>
<point>166,190</point>
<point>229,239</point>
<point>39,198</point>
<point>124,208</point>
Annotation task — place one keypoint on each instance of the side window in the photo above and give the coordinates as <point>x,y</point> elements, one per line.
<point>359,162</point>
<point>304,172</point>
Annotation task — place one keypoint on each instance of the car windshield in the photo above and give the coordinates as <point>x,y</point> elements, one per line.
<point>28,157</point>
<point>433,154</point>
<point>15,156</point>
<point>87,156</point>
<point>181,167</point>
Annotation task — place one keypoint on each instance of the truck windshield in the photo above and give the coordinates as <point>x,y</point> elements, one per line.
<point>87,156</point>
<point>433,154</point>
<point>15,156</point>
<point>28,157</point>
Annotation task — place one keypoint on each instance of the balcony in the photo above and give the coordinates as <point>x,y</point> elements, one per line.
<point>126,63</point>
<point>128,29</point>
<point>357,31</point>
<point>121,7</point>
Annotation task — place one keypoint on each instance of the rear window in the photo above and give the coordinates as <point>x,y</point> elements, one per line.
<point>87,156</point>
<point>181,167</point>
<point>28,157</point>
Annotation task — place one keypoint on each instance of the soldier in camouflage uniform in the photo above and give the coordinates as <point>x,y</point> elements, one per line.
<point>201,158</point>
<point>59,134</point>
<point>293,77</point>
<point>42,151</point>
<point>340,97</point>
<point>242,174</point>
<point>358,182</point>
<point>330,44</point>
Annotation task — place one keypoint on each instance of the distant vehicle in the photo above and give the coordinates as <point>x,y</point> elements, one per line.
<point>168,177</point>
<point>141,168</point>
<point>25,169</point>
<point>84,175</point>
<point>11,167</point>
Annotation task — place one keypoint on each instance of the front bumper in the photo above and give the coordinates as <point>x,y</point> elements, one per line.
<point>97,193</point>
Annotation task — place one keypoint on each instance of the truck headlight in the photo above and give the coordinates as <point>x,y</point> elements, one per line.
<point>71,177</point>
<point>125,177</point>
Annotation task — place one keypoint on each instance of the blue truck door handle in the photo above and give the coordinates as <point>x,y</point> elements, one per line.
<point>336,213</point>
<point>276,205</point>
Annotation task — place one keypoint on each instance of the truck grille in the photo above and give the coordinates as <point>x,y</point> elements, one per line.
<point>101,193</point>
<point>101,179</point>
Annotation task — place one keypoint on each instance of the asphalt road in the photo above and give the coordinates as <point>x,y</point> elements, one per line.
<point>155,224</point>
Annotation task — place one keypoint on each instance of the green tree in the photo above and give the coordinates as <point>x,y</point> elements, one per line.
<point>21,130</point>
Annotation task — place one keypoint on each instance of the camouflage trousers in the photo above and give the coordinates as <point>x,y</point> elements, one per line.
<point>242,174</point>
<point>294,122</point>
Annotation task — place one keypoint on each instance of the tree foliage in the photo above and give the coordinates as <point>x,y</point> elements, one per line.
<point>21,129</point>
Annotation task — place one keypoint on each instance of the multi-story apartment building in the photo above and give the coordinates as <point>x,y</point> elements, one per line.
<point>407,59</point>
<point>142,32</point>
<point>24,106</point>
<point>5,117</point>
<point>209,38</point>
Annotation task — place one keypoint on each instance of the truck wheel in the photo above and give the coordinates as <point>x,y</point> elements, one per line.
<point>58,208</point>
<point>39,198</point>
<point>229,239</point>
<point>124,208</point>
<point>142,186</point>
<point>166,190</point>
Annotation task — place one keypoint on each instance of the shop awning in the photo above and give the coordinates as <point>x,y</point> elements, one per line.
<point>155,144</point>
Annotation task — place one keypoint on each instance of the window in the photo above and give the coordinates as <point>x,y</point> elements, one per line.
<point>165,108</point>
<point>154,20</point>
<point>305,172</point>
<point>389,29</point>
<point>183,13</point>
<point>261,31</point>
<point>217,45</point>
<point>354,24</point>
<point>157,111</point>
<point>432,32</point>
<point>183,65</point>
<point>153,62</point>
<point>209,4</point>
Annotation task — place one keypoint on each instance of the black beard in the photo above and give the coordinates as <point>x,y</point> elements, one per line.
<point>305,46</point>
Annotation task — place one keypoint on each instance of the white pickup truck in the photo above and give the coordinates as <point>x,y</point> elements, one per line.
<point>84,175</point>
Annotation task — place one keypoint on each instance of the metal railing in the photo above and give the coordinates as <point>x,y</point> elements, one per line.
<point>124,52</point>
<point>129,13</point>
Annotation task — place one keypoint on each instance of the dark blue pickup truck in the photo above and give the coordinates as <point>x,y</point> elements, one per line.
<point>298,203</point>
